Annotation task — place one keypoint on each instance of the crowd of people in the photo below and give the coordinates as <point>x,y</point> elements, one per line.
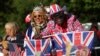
<point>42,25</point>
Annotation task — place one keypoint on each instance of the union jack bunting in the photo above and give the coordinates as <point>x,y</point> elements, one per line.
<point>84,38</point>
<point>38,47</point>
<point>14,50</point>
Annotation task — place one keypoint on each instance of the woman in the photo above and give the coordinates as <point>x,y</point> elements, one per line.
<point>13,37</point>
<point>36,31</point>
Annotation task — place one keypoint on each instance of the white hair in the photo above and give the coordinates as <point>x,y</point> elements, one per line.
<point>11,25</point>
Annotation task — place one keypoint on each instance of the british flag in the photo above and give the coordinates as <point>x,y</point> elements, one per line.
<point>38,47</point>
<point>84,38</point>
<point>75,39</point>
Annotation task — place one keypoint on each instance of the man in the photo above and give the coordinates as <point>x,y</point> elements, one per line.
<point>63,23</point>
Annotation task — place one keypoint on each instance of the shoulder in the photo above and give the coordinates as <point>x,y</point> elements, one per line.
<point>20,35</point>
<point>29,29</point>
<point>71,18</point>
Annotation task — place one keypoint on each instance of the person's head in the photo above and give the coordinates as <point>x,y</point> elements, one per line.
<point>11,28</point>
<point>39,15</point>
<point>57,14</point>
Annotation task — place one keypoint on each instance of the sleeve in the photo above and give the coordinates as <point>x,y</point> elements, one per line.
<point>48,29</point>
<point>77,26</point>
<point>74,24</point>
<point>20,40</point>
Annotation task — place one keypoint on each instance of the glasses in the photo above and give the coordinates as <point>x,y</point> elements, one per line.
<point>58,15</point>
<point>37,16</point>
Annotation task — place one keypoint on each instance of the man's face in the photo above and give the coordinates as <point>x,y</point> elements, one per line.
<point>58,18</point>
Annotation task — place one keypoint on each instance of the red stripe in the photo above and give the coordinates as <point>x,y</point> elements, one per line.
<point>77,39</point>
<point>17,49</point>
<point>64,38</point>
<point>22,53</point>
<point>59,53</point>
<point>16,52</point>
<point>38,45</point>
<point>54,8</point>
<point>87,38</point>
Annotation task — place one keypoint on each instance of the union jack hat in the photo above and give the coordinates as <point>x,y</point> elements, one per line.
<point>54,9</point>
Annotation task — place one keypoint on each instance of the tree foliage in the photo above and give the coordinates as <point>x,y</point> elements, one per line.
<point>16,10</point>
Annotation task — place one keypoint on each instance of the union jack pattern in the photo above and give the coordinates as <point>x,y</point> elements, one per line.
<point>75,39</point>
<point>38,47</point>
<point>84,38</point>
<point>42,47</point>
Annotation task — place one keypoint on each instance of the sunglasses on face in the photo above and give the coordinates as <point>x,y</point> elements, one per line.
<point>57,15</point>
<point>37,16</point>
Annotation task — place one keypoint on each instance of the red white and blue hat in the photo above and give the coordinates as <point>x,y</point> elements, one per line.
<point>54,9</point>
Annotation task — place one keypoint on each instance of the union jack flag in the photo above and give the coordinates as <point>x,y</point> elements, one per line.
<point>84,38</point>
<point>38,47</point>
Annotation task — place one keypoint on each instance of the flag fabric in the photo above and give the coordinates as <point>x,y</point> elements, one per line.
<point>38,47</point>
<point>14,50</point>
<point>42,47</point>
<point>84,38</point>
<point>75,39</point>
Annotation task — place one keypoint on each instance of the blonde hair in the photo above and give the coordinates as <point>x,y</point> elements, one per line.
<point>40,9</point>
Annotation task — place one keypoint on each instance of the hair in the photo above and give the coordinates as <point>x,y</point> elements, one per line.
<point>12,25</point>
<point>41,9</point>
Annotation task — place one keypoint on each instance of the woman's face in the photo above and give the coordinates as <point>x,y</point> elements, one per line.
<point>38,17</point>
<point>9,31</point>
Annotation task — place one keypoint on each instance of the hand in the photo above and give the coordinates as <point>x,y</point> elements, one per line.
<point>5,52</point>
<point>5,44</point>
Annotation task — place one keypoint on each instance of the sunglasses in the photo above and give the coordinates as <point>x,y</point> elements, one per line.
<point>37,16</point>
<point>58,15</point>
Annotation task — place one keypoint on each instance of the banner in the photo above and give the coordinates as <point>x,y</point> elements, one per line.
<point>42,47</point>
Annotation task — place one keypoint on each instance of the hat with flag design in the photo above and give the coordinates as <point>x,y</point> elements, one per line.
<point>54,8</point>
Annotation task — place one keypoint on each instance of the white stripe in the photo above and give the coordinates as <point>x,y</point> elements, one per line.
<point>45,44</point>
<point>30,48</point>
<point>26,34</point>
<point>52,10</point>
<point>60,39</point>
<point>57,8</point>
<point>67,38</point>
<point>81,37</point>
<point>90,39</point>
